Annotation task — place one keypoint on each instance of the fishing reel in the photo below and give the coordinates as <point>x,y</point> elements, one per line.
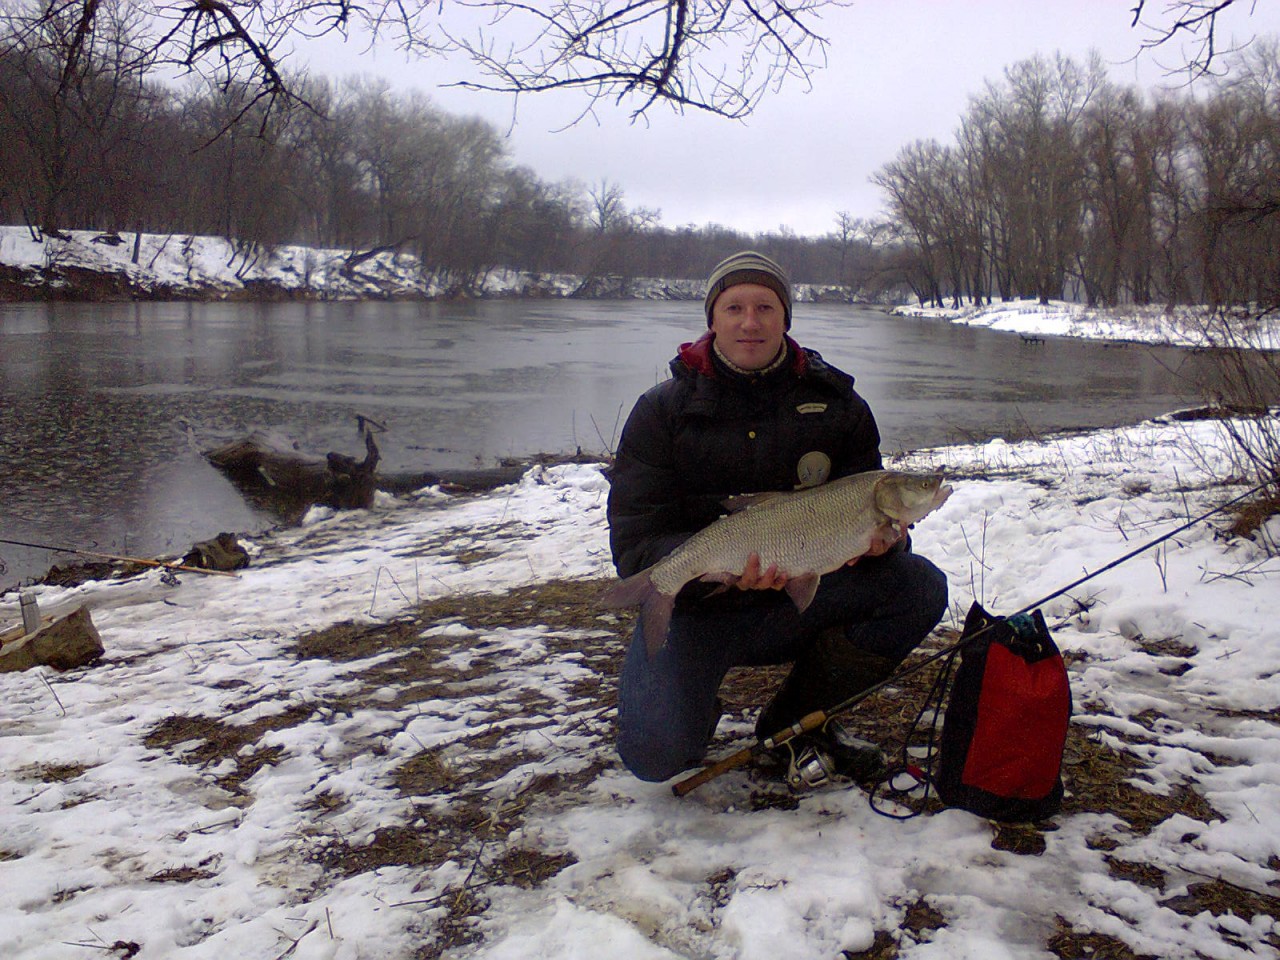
<point>809,767</point>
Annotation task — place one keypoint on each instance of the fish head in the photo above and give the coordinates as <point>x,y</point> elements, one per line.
<point>908,497</point>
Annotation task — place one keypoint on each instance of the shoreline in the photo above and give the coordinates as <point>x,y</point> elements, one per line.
<point>80,267</point>
<point>78,572</point>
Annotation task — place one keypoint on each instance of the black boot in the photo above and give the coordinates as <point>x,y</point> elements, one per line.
<point>829,672</point>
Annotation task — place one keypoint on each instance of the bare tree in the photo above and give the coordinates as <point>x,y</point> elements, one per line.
<point>722,56</point>
<point>70,81</point>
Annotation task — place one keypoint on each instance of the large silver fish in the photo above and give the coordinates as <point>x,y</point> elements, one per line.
<point>806,533</point>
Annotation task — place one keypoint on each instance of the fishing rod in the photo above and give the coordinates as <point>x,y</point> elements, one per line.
<point>182,568</point>
<point>819,718</point>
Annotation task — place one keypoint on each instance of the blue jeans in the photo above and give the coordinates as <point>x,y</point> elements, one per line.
<point>667,703</point>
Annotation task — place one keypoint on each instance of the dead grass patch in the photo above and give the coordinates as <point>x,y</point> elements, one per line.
<point>921,918</point>
<point>1069,944</point>
<point>1143,874</point>
<point>420,672</point>
<point>1023,839</point>
<point>1220,898</point>
<point>346,642</point>
<point>1096,777</point>
<point>181,875</point>
<point>326,801</point>
<point>528,869</point>
<point>428,845</point>
<point>884,947</point>
<point>216,740</point>
<point>424,774</point>
<point>1167,647</point>
<point>54,772</point>
<point>458,927</point>
<point>1251,516</point>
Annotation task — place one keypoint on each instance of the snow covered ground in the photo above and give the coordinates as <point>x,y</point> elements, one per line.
<point>212,266</point>
<point>180,265</point>
<point>1149,324</point>
<point>304,762</point>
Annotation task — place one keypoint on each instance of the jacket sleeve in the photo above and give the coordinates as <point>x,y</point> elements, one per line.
<point>862,444</point>
<point>864,454</point>
<point>646,516</point>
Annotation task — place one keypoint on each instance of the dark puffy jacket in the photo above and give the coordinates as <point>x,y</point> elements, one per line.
<point>707,434</point>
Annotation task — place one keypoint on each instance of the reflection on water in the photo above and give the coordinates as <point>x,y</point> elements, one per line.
<point>105,407</point>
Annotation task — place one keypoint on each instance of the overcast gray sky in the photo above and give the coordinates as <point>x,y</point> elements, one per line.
<point>899,70</point>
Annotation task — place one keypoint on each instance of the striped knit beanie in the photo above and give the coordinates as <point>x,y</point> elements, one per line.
<point>747,266</point>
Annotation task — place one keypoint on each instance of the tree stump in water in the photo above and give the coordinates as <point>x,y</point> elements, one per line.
<point>288,482</point>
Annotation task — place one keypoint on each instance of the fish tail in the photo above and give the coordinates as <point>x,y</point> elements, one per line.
<point>631,592</point>
<point>638,590</point>
<point>655,618</point>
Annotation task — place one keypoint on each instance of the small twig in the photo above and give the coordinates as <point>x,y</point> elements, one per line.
<point>294,946</point>
<point>56,699</point>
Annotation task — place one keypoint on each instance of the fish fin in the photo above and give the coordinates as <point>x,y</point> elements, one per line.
<point>725,577</point>
<point>655,618</point>
<point>631,592</point>
<point>801,590</point>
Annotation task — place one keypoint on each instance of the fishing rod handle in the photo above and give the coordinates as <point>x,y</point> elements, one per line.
<point>806,723</point>
<point>731,762</point>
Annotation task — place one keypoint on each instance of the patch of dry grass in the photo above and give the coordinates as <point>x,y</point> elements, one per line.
<point>215,741</point>
<point>1070,944</point>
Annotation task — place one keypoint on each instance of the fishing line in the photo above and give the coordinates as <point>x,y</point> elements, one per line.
<point>916,667</point>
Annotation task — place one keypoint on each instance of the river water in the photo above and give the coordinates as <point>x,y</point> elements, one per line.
<point>105,408</point>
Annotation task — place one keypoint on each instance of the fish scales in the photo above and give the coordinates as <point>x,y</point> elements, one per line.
<point>799,533</point>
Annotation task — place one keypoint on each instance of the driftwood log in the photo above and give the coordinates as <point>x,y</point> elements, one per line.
<point>64,643</point>
<point>287,482</point>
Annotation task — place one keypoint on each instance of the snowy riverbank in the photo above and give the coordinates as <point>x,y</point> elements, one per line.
<point>303,762</point>
<point>1184,327</point>
<point>90,265</point>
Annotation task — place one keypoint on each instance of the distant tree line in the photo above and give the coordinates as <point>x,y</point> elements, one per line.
<point>93,141</point>
<point>1063,184</point>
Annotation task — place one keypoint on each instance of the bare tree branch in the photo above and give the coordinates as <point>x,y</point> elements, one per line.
<point>1193,20</point>
<point>721,56</point>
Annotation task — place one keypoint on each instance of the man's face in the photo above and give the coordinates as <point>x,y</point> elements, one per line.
<point>749,322</point>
